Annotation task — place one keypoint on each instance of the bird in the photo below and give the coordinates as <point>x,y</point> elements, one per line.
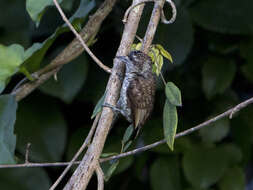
<point>137,93</point>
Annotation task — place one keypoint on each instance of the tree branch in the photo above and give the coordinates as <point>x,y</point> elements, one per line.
<point>73,50</point>
<point>81,149</point>
<point>107,69</point>
<point>152,26</point>
<point>183,133</point>
<point>142,149</point>
<point>83,173</point>
<point>100,177</point>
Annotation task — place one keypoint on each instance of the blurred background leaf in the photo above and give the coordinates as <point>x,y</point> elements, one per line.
<point>211,46</point>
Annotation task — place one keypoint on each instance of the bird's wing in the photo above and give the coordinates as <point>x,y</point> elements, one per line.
<point>140,94</point>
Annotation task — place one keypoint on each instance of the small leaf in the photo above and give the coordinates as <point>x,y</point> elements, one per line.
<point>111,169</point>
<point>138,46</point>
<point>26,73</point>
<point>173,94</point>
<point>159,65</point>
<point>133,47</point>
<point>128,133</point>
<point>38,50</point>
<point>169,123</point>
<point>127,146</point>
<point>11,57</point>
<point>98,107</point>
<point>36,8</point>
<point>8,107</point>
<point>165,53</point>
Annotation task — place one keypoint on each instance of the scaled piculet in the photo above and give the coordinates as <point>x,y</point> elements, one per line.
<point>138,89</point>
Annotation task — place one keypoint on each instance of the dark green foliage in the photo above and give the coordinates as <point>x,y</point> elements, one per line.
<point>211,44</point>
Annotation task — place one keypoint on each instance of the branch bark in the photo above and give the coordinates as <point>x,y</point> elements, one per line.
<point>83,173</point>
<point>73,50</point>
<point>233,110</point>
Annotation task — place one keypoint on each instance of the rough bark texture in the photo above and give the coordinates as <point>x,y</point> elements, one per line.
<point>73,50</point>
<point>83,173</point>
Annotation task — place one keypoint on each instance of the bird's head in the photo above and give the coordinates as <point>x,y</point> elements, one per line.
<point>137,62</point>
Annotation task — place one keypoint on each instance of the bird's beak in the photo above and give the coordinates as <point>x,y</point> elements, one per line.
<point>124,59</point>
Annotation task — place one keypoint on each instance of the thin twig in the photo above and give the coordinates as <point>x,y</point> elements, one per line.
<point>183,133</point>
<point>81,149</point>
<point>27,152</point>
<point>125,18</point>
<point>100,177</point>
<point>152,26</point>
<point>73,50</point>
<point>164,82</point>
<point>163,18</point>
<point>33,165</point>
<point>142,149</point>
<point>107,69</point>
<point>82,175</point>
<point>174,13</point>
<point>240,106</point>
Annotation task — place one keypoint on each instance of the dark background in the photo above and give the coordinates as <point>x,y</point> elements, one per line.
<point>211,44</point>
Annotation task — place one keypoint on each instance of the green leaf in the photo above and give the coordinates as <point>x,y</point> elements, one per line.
<point>70,80</point>
<point>40,122</point>
<point>215,132</point>
<point>109,171</point>
<point>169,123</point>
<point>164,53</point>
<point>36,8</point>
<point>84,8</point>
<point>226,16</point>
<point>128,133</point>
<point>99,106</point>
<point>173,94</point>
<point>164,174</point>
<point>8,107</point>
<point>124,164</point>
<point>24,179</point>
<point>203,167</point>
<point>218,74</point>
<point>126,146</point>
<point>138,46</point>
<point>11,57</point>
<point>40,49</point>
<point>159,65</point>
<point>234,179</point>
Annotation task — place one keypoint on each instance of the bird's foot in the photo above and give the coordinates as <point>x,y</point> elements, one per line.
<point>114,108</point>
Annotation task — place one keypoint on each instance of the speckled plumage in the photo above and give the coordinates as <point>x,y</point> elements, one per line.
<point>138,89</point>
